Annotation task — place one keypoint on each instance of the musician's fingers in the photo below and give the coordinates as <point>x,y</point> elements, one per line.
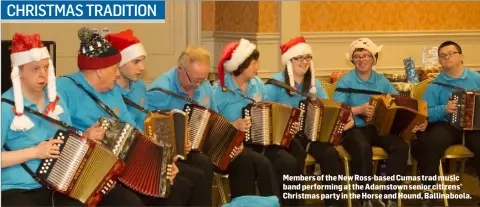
<point>56,141</point>
<point>53,156</point>
<point>96,124</point>
<point>54,152</point>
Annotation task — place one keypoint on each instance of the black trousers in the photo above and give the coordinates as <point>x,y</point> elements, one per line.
<point>430,146</point>
<point>118,196</point>
<point>36,197</point>
<point>248,170</point>
<point>358,142</point>
<point>198,170</point>
<point>326,155</point>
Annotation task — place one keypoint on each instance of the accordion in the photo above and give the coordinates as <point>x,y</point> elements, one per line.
<point>146,160</point>
<point>159,124</point>
<point>212,134</point>
<point>467,116</point>
<point>397,114</point>
<point>84,170</point>
<point>323,120</point>
<point>271,123</point>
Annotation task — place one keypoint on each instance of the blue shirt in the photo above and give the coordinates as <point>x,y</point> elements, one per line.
<point>437,96</point>
<point>376,82</point>
<point>280,95</point>
<point>160,101</point>
<point>15,177</point>
<point>84,110</point>
<point>135,93</point>
<point>230,105</point>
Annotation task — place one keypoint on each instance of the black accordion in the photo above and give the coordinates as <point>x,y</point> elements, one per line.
<point>271,123</point>
<point>146,159</point>
<point>161,123</point>
<point>323,120</point>
<point>467,116</point>
<point>85,170</point>
<point>212,134</point>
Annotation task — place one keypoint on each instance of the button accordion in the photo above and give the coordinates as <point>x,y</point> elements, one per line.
<point>84,170</point>
<point>467,116</point>
<point>323,120</point>
<point>159,124</point>
<point>271,123</point>
<point>212,134</point>
<point>146,160</point>
<point>397,114</point>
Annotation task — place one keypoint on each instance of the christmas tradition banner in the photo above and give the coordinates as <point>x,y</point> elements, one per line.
<point>83,11</point>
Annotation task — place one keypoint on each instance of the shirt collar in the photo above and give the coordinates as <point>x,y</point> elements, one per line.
<point>370,79</point>
<point>124,91</point>
<point>232,85</point>
<point>30,104</point>
<point>449,78</point>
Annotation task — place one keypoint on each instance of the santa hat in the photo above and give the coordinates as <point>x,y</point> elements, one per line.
<point>366,44</point>
<point>234,54</point>
<point>128,45</point>
<point>294,48</point>
<point>26,49</point>
<point>95,52</point>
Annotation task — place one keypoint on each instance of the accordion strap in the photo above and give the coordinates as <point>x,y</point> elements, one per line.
<point>286,87</point>
<point>360,91</point>
<point>26,168</point>
<point>99,103</point>
<point>134,105</point>
<point>448,85</point>
<point>43,116</point>
<point>225,89</point>
<point>176,95</point>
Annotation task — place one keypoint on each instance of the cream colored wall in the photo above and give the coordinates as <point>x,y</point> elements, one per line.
<point>163,41</point>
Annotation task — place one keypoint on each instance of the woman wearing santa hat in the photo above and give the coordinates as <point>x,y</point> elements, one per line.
<point>26,138</point>
<point>190,180</point>
<point>299,73</point>
<point>351,89</point>
<point>237,87</point>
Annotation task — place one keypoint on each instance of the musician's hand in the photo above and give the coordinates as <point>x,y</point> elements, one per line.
<point>95,132</point>
<point>48,149</point>
<point>242,124</point>
<point>420,127</point>
<point>296,127</point>
<point>368,110</point>
<point>239,150</point>
<point>172,171</point>
<point>350,123</point>
<point>451,106</point>
<point>188,146</point>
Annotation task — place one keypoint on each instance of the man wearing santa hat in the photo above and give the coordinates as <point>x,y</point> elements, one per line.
<point>26,138</point>
<point>98,64</point>
<point>299,73</point>
<point>358,141</point>
<point>190,180</point>
<point>238,84</point>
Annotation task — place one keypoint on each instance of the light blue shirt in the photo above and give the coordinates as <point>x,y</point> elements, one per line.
<point>135,93</point>
<point>280,95</point>
<point>84,110</point>
<point>437,96</point>
<point>376,82</point>
<point>15,177</point>
<point>158,100</point>
<point>230,105</point>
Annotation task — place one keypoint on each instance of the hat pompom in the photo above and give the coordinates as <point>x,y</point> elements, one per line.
<point>84,34</point>
<point>21,123</point>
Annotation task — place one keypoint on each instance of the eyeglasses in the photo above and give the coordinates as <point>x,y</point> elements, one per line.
<point>302,58</point>
<point>196,81</point>
<point>366,57</point>
<point>447,55</point>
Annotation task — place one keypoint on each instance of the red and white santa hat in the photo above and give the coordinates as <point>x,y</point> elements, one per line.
<point>26,49</point>
<point>129,46</point>
<point>294,48</point>
<point>234,54</point>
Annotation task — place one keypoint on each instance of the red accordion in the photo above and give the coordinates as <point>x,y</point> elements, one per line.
<point>467,116</point>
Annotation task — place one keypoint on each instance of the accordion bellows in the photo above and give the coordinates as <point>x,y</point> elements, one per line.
<point>271,123</point>
<point>146,160</point>
<point>397,114</point>
<point>324,120</point>
<point>85,171</point>
<point>467,116</point>
<point>212,134</point>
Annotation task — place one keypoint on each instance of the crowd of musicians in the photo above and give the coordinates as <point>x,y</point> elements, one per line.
<point>110,67</point>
